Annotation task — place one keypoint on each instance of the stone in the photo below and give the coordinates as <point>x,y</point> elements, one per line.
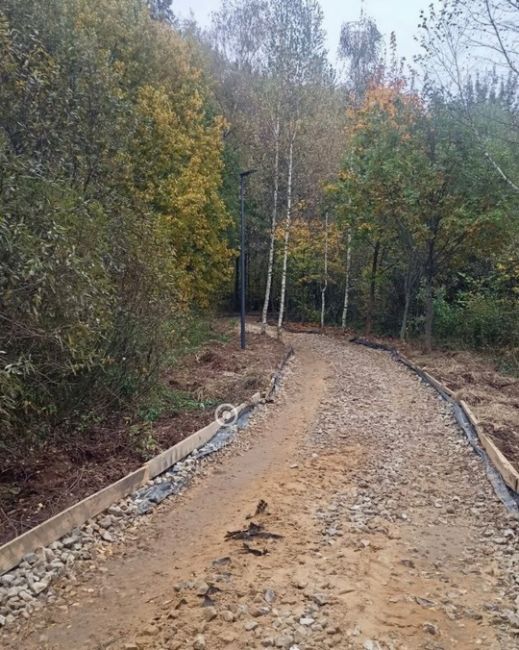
<point>306,621</point>
<point>283,641</point>
<point>210,613</point>
<point>320,599</point>
<point>430,628</point>
<point>7,580</point>
<point>68,542</point>
<point>228,638</point>
<point>269,596</point>
<point>228,616</point>
<point>202,588</point>
<point>369,644</point>
<point>3,620</point>
<point>259,611</point>
<point>199,643</point>
<point>106,522</point>
<point>250,625</point>
<point>39,587</point>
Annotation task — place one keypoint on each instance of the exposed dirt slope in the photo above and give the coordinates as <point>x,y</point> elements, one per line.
<point>391,537</point>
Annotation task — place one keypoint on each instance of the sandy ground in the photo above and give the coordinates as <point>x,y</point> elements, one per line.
<point>389,534</point>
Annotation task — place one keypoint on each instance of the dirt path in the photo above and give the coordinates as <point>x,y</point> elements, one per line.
<point>391,536</point>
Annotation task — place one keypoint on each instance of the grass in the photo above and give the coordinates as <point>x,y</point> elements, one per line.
<point>164,400</point>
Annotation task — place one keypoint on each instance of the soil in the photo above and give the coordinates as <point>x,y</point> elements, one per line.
<point>46,480</point>
<point>388,534</point>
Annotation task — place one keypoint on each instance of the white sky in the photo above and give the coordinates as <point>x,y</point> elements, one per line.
<point>401,16</point>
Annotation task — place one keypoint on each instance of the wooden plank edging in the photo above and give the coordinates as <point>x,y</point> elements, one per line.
<point>12,553</point>
<point>49,531</point>
<point>161,463</point>
<point>504,468</point>
<point>500,461</point>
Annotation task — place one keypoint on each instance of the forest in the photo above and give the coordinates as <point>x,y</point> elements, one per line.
<point>385,199</point>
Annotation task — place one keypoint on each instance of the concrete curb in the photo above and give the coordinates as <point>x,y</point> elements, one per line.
<point>12,553</point>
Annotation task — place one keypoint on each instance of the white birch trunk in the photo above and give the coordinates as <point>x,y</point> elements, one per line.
<point>287,235</point>
<point>324,286</point>
<point>270,268</point>
<point>347,287</point>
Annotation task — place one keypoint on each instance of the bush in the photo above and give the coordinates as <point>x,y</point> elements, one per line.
<point>478,321</point>
<point>112,225</point>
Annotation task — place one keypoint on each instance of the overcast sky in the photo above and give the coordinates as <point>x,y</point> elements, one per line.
<point>401,16</point>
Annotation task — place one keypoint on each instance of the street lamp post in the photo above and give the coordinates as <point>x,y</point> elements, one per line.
<point>243,176</point>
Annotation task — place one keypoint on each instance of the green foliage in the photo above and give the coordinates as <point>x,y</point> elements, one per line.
<point>112,225</point>
<point>479,321</point>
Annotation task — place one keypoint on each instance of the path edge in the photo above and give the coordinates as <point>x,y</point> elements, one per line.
<point>59,525</point>
<point>501,473</point>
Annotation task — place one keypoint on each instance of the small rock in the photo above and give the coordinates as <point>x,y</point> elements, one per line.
<point>259,611</point>
<point>269,596</point>
<point>369,644</point>
<point>320,599</point>
<point>228,616</point>
<point>430,628</point>
<point>228,638</point>
<point>202,588</point>
<point>306,621</point>
<point>250,625</point>
<point>283,641</point>
<point>7,580</point>
<point>3,621</point>
<point>39,587</point>
<point>106,522</point>
<point>199,642</point>
<point>210,613</point>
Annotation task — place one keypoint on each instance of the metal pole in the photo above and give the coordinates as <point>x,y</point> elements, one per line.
<point>242,263</point>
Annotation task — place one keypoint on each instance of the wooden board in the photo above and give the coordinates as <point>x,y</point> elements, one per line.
<point>470,415</point>
<point>502,464</point>
<point>12,553</point>
<point>168,458</point>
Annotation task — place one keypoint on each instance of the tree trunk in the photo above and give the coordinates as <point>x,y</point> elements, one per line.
<point>347,286</point>
<point>270,268</point>
<point>372,289</point>
<point>429,304</point>
<point>287,235</point>
<point>324,285</point>
<point>405,317</point>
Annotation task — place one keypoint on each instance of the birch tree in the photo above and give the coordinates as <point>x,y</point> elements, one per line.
<point>324,281</point>
<point>298,58</point>
<point>347,281</point>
